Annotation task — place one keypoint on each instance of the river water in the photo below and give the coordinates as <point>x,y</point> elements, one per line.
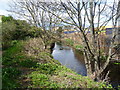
<point>66,56</point>
<point>73,60</point>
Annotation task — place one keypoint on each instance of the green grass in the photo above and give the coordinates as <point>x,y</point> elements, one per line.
<point>78,47</point>
<point>57,76</point>
<point>117,63</point>
<point>47,68</point>
<point>14,58</point>
<point>45,72</point>
<point>9,71</point>
<point>41,81</point>
<point>69,42</point>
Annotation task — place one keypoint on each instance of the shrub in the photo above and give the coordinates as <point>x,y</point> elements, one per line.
<point>8,29</point>
<point>13,30</point>
<point>6,19</point>
<point>69,42</point>
<point>8,78</point>
<point>79,47</point>
<point>27,63</point>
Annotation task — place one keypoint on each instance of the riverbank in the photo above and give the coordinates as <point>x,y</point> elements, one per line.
<point>27,65</point>
<point>111,71</point>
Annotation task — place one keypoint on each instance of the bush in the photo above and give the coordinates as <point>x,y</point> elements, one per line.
<point>8,29</point>
<point>69,42</point>
<point>13,30</point>
<point>27,63</point>
<point>10,72</point>
<point>6,19</point>
<point>79,47</point>
<point>8,78</point>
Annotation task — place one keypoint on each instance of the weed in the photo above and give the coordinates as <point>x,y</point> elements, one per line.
<point>8,77</point>
<point>79,47</point>
<point>69,42</point>
<point>42,80</point>
<point>47,68</point>
<point>28,63</point>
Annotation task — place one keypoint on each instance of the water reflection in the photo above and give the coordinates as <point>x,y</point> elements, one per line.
<point>75,61</point>
<point>67,57</point>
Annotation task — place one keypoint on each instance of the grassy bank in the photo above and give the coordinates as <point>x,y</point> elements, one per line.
<point>26,64</point>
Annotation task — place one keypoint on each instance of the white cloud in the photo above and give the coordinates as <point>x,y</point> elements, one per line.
<point>4,12</point>
<point>4,1</point>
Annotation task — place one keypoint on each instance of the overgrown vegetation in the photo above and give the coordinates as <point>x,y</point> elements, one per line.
<point>69,42</point>
<point>13,60</point>
<point>78,46</point>
<point>9,77</point>
<point>26,65</point>
<point>56,76</point>
<point>13,30</point>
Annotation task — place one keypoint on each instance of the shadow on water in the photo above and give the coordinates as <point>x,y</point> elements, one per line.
<point>66,56</point>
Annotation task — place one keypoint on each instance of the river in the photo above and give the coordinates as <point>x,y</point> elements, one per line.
<point>73,60</point>
<point>65,55</point>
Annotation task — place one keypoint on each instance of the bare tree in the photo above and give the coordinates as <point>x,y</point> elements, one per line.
<point>118,31</point>
<point>85,16</point>
<point>31,11</point>
<point>88,16</point>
